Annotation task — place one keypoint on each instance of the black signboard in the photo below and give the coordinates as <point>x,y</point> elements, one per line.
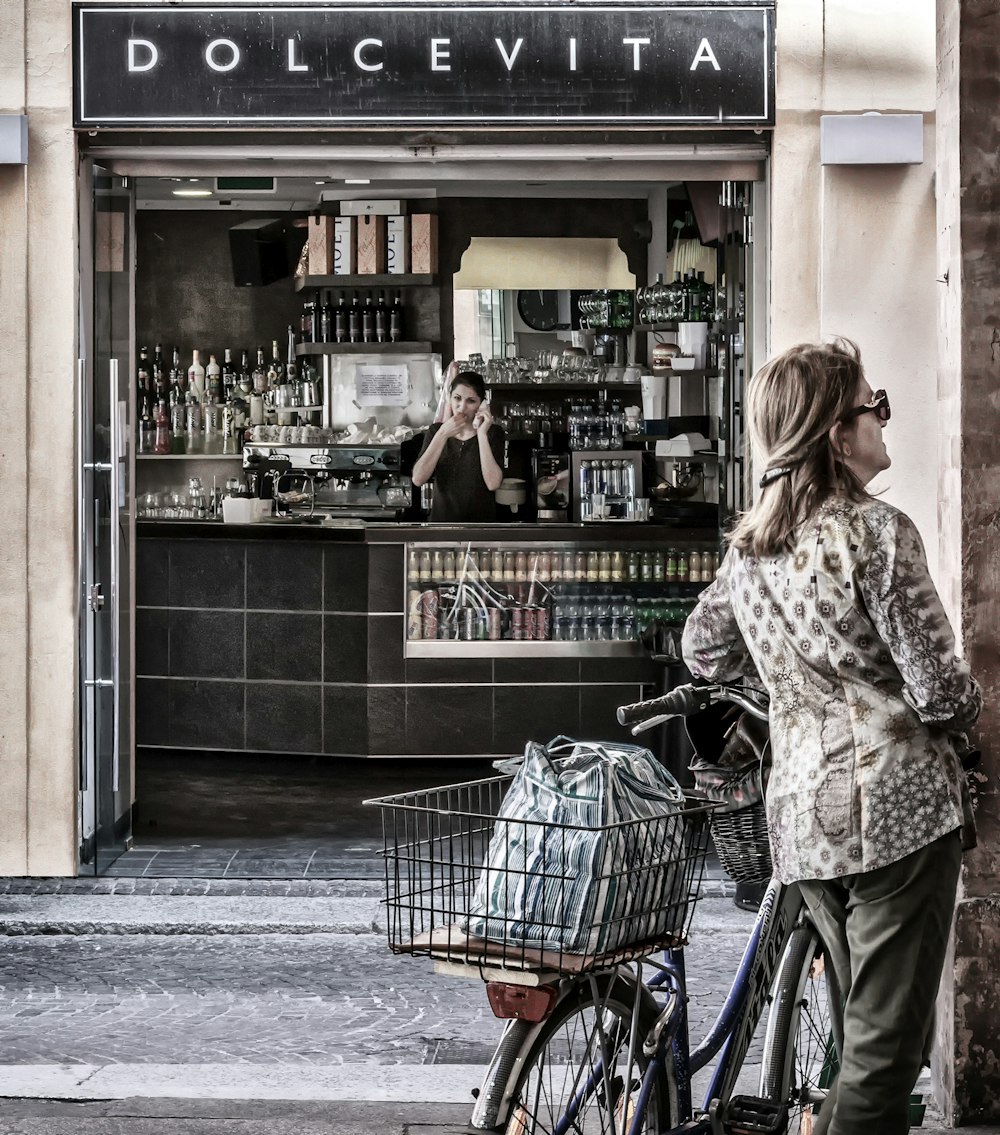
<point>166,64</point>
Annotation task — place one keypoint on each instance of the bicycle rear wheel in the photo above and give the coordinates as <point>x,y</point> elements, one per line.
<point>799,1053</point>
<point>573,1074</point>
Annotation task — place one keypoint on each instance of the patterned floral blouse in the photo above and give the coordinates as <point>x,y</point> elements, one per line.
<point>850,639</point>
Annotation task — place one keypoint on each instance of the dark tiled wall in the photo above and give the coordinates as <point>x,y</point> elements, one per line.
<point>292,646</point>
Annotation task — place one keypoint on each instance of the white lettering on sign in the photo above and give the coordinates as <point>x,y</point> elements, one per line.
<point>439,53</point>
<point>635,44</point>
<point>292,65</point>
<point>134,63</point>
<point>213,47</point>
<point>382,385</point>
<point>509,59</point>
<point>705,54</point>
<point>572,53</point>
<point>359,47</point>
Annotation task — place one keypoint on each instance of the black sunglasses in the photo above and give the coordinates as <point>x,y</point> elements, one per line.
<point>879,406</point>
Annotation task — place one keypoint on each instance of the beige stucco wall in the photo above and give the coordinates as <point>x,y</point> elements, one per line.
<point>853,249</point>
<point>38,675</point>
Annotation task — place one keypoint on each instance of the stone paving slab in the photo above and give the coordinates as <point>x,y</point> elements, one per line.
<point>170,914</point>
<point>274,888</point>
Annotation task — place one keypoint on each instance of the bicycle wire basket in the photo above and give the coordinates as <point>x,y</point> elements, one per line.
<point>438,867</point>
<point>741,843</point>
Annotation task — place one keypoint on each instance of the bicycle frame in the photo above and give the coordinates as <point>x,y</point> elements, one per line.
<point>781,909</point>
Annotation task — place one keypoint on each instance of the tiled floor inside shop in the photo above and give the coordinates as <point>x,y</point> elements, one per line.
<point>207,816</point>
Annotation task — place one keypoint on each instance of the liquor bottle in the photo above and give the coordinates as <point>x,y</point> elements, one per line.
<point>354,320</point>
<point>243,378</point>
<point>340,327</point>
<point>259,376</point>
<point>147,429</point>
<point>291,365</point>
<point>396,319</point>
<point>213,380</point>
<point>143,378</point>
<point>230,443</point>
<point>178,375</point>
<point>368,320</point>
<point>177,421</point>
<point>381,320</point>
<point>160,383</point>
<point>276,371</point>
<point>161,438</point>
<point>326,320</point>
<point>228,374</point>
<point>306,321</point>
<point>192,422</point>
<point>196,376</point>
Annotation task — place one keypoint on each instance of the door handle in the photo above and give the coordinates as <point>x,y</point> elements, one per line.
<point>115,505</point>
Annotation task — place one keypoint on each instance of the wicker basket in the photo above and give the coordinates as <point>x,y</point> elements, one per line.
<point>741,843</point>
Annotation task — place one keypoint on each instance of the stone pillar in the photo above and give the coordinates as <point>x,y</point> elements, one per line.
<point>38,591</point>
<point>967,1072</point>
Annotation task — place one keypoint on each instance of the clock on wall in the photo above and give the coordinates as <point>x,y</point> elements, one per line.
<point>539,309</point>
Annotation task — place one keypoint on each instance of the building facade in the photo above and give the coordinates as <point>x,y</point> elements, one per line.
<point>891,255</point>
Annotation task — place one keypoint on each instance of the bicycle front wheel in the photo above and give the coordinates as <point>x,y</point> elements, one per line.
<point>575,1074</point>
<point>799,1053</point>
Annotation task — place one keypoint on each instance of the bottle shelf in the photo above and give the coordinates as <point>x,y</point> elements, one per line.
<point>189,456</point>
<point>408,348</point>
<point>382,280</point>
<point>569,387</point>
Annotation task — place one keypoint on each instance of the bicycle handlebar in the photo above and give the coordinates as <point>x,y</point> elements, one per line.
<point>684,701</point>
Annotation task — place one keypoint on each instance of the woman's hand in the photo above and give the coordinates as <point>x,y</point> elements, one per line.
<point>453,425</point>
<point>483,420</point>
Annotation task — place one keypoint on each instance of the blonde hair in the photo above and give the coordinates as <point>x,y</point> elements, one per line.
<point>793,402</point>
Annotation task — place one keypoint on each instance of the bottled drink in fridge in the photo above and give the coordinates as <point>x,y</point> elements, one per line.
<point>368,320</point>
<point>143,376</point>
<point>381,320</point>
<point>354,320</point>
<point>340,328</point>
<point>147,429</point>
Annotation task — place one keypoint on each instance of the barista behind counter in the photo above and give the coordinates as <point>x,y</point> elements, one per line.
<point>463,455</point>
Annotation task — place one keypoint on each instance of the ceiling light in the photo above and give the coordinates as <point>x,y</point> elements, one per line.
<point>357,181</point>
<point>191,192</point>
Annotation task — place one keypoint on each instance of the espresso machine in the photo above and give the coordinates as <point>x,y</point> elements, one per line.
<point>685,489</point>
<point>551,475</point>
<point>358,481</point>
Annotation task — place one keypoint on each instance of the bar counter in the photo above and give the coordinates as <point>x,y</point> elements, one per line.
<point>289,637</point>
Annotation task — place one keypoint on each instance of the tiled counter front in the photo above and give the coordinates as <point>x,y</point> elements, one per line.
<point>297,645</point>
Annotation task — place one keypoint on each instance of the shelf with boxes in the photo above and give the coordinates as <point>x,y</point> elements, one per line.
<point>567,599</point>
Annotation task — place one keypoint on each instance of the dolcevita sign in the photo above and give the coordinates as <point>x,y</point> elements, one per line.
<point>167,64</point>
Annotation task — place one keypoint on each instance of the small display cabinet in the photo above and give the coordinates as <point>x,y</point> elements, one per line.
<point>587,598</point>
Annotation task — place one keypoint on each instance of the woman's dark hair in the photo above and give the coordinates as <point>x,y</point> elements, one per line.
<point>472,380</point>
<point>794,402</point>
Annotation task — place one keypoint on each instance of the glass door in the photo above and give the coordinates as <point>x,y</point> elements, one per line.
<point>104,432</point>
<point>734,299</point>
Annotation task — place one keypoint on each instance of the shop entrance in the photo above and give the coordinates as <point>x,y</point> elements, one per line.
<point>211,796</point>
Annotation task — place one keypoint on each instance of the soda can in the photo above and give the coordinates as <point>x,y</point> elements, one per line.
<point>494,623</point>
<point>517,621</point>
<point>467,631</point>
<point>429,612</point>
<point>414,616</point>
<point>542,624</point>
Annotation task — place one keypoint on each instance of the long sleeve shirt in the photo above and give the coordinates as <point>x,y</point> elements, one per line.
<point>849,637</point>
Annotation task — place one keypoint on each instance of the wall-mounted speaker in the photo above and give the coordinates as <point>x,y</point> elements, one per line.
<point>259,252</point>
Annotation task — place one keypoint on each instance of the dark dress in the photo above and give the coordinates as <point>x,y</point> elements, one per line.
<point>460,493</point>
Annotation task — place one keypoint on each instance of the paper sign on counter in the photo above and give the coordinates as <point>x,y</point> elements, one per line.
<point>383,385</point>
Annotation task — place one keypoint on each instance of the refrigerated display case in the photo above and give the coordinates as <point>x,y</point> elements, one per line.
<point>587,598</point>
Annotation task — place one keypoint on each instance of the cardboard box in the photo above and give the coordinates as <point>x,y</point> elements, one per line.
<point>371,245</point>
<point>344,244</point>
<point>397,245</point>
<point>320,246</point>
<point>423,243</point>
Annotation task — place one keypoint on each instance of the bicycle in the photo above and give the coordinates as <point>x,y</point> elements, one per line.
<point>592,1044</point>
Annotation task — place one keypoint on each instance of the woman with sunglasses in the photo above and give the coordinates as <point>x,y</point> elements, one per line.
<point>824,596</point>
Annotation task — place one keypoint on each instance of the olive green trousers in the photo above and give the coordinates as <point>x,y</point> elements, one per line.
<point>886,933</point>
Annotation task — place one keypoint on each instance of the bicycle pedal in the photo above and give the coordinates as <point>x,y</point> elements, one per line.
<point>752,1115</point>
